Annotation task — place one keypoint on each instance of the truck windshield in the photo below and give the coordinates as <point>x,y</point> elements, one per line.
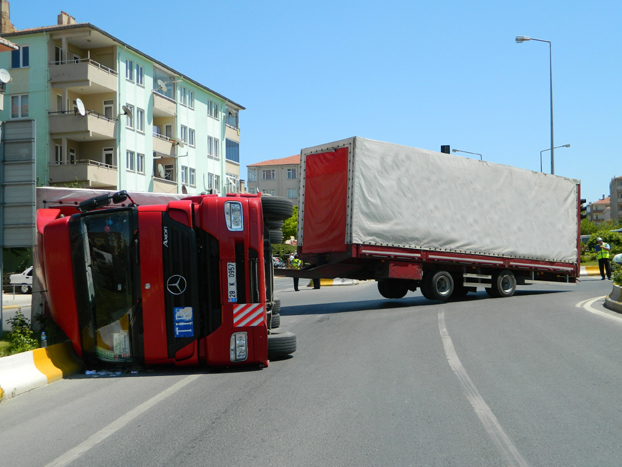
<point>106,243</point>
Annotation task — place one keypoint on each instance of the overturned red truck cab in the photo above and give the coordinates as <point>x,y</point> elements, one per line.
<point>183,282</point>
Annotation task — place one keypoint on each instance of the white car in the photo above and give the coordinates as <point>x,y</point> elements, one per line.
<point>23,280</point>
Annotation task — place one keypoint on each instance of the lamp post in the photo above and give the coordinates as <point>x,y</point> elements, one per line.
<point>544,150</point>
<point>520,40</point>
<point>475,153</point>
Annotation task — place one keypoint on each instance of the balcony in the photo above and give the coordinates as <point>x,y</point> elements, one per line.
<point>163,106</point>
<point>163,145</point>
<point>161,185</point>
<point>92,173</point>
<point>90,127</point>
<point>86,74</point>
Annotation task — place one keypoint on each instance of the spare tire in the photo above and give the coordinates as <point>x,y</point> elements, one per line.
<point>281,344</point>
<point>276,237</point>
<point>276,208</point>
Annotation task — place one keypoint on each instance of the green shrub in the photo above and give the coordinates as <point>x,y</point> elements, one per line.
<point>21,336</point>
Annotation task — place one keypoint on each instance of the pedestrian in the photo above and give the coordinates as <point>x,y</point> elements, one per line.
<point>602,253</point>
<point>296,264</point>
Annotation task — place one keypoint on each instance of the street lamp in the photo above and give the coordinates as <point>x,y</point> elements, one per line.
<point>544,150</point>
<point>476,153</point>
<point>520,40</point>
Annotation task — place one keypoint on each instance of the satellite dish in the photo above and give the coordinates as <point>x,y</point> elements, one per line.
<point>162,85</point>
<point>80,105</point>
<point>161,170</point>
<point>5,76</point>
<point>178,142</point>
<point>127,111</point>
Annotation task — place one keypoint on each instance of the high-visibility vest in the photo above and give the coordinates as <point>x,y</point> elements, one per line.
<point>602,253</point>
<point>296,263</point>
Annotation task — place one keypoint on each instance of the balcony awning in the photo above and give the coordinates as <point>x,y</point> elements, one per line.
<point>161,155</point>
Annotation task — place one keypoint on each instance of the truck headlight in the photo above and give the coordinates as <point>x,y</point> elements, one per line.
<point>234,216</point>
<point>238,350</point>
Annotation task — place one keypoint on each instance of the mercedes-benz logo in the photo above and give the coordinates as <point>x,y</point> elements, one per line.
<point>176,285</point>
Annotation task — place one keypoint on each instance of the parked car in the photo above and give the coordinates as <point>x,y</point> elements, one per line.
<point>22,280</point>
<point>278,263</point>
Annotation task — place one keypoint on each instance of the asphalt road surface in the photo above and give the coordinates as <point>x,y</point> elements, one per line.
<point>534,379</point>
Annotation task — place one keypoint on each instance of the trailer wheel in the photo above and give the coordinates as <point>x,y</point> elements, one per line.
<point>437,285</point>
<point>503,284</point>
<point>276,237</point>
<point>281,344</point>
<point>392,288</point>
<point>276,208</point>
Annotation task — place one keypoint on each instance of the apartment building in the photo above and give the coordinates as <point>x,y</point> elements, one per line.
<point>276,177</point>
<point>615,196</point>
<point>109,116</point>
<point>599,211</point>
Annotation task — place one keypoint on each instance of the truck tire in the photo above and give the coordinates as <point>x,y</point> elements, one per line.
<point>437,285</point>
<point>392,288</point>
<point>276,208</point>
<point>274,225</point>
<point>276,237</point>
<point>503,284</point>
<point>281,344</point>
<point>276,321</point>
<point>277,305</point>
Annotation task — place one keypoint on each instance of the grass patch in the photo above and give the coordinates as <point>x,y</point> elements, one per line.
<point>4,345</point>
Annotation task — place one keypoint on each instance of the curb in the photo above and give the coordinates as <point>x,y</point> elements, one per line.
<point>334,282</point>
<point>37,368</point>
<point>612,301</point>
<point>589,271</point>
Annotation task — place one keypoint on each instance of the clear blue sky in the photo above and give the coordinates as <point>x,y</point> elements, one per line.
<point>418,73</point>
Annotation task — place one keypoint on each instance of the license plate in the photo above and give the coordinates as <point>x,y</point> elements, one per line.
<point>232,289</point>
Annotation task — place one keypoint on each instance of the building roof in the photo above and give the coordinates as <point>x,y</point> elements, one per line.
<point>603,201</point>
<point>291,160</point>
<point>47,29</point>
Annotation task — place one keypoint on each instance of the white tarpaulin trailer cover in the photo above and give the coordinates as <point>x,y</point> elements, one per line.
<point>414,198</point>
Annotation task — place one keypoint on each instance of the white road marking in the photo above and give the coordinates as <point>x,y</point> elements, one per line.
<point>119,423</point>
<point>587,305</point>
<point>488,419</point>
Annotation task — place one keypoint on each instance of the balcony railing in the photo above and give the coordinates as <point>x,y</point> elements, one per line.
<point>92,126</point>
<point>93,173</point>
<point>88,112</point>
<point>86,60</point>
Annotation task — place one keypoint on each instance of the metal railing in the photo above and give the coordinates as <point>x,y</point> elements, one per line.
<point>168,139</point>
<point>99,164</point>
<point>92,113</point>
<point>87,60</point>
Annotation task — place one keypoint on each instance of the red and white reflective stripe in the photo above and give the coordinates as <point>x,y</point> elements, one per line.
<point>248,314</point>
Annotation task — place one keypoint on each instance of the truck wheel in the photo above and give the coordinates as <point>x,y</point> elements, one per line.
<point>276,208</point>
<point>503,284</point>
<point>276,237</point>
<point>277,305</point>
<point>392,288</point>
<point>281,344</point>
<point>276,321</point>
<point>437,285</point>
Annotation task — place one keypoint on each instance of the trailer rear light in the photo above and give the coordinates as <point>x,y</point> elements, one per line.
<point>234,216</point>
<point>238,351</point>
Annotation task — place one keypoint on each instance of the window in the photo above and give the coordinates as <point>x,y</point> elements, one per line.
<point>269,192</point>
<point>108,108</point>
<point>184,134</point>
<point>184,174</point>
<point>58,154</point>
<point>192,177</point>
<point>232,183</point>
<point>267,174</point>
<point>233,151</point>
<point>216,149</point>
<point>109,156</point>
<point>183,98</point>
<point>231,117</point>
<point>168,130</point>
<point>130,118</point>
<point>19,106</point>
<point>140,120</point>
<point>58,56</point>
<point>217,182</point>
<point>129,70</point>
<point>59,103</point>
<point>191,137</point>
<point>76,58</point>
<point>169,172</point>
<point>210,147</point>
<point>190,99</point>
<point>140,163</point>
<point>291,173</point>
<point>252,175</point>
<point>72,156</point>
<point>140,75</point>
<point>210,107</point>
<point>213,182</point>
<point>20,58</point>
<point>291,193</point>
<point>130,161</point>
<point>215,114</point>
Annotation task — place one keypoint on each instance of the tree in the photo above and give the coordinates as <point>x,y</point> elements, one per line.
<point>290,226</point>
<point>588,227</point>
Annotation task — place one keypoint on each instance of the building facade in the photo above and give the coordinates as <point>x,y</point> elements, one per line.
<point>599,211</point>
<point>276,177</point>
<point>615,196</point>
<point>111,117</point>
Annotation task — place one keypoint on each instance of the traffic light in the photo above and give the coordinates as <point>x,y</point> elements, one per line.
<point>582,208</point>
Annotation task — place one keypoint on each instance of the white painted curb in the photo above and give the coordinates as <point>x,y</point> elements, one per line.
<point>18,374</point>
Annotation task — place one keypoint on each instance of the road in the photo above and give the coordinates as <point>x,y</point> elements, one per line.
<point>529,380</point>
